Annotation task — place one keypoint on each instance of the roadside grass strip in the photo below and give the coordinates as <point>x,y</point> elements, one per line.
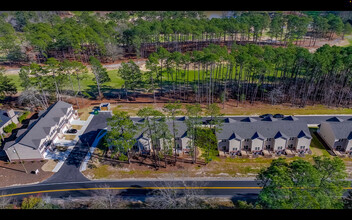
<point>142,188</point>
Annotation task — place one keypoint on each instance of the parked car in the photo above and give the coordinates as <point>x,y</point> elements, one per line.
<point>266,115</point>
<point>71,131</point>
<point>278,116</point>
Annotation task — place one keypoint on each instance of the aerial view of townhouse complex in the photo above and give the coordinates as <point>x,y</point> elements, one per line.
<point>175,109</point>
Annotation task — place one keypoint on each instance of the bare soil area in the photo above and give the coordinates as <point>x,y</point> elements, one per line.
<point>14,174</point>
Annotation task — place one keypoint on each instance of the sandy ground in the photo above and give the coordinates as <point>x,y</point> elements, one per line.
<point>49,166</point>
<point>14,174</point>
<point>141,61</point>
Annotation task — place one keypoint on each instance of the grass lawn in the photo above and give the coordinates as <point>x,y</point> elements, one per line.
<point>244,109</point>
<point>84,113</point>
<point>316,146</point>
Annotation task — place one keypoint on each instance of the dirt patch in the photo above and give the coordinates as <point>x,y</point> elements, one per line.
<point>14,174</point>
<point>49,166</point>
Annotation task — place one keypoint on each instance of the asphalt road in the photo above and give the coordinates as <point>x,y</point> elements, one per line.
<point>233,189</point>
<point>69,172</point>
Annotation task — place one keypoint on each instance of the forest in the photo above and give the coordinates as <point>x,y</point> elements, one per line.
<point>30,36</point>
<point>212,74</point>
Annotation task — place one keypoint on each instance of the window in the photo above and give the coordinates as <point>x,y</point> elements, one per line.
<point>292,138</point>
<point>234,148</point>
<point>224,140</point>
<point>247,139</point>
<point>246,147</point>
<point>340,140</point>
<point>301,147</point>
<point>257,148</point>
<point>267,146</point>
<point>279,147</point>
<point>269,139</point>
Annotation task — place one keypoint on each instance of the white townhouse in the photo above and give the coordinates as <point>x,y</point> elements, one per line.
<point>271,134</point>
<point>337,134</point>
<point>32,143</point>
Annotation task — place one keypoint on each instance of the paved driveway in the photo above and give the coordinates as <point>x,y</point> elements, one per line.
<point>69,172</point>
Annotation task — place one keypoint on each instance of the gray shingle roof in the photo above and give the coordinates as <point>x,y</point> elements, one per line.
<point>38,129</point>
<point>290,118</point>
<point>341,129</point>
<point>4,117</point>
<point>335,119</point>
<point>267,129</point>
<point>248,119</point>
<point>269,118</point>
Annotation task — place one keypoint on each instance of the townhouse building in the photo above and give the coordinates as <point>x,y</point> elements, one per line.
<point>32,143</point>
<point>337,134</point>
<point>255,136</point>
<point>144,142</point>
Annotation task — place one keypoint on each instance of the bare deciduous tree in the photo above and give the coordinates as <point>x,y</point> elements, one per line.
<point>177,194</point>
<point>107,198</point>
<point>32,97</point>
<point>276,95</point>
<point>5,201</point>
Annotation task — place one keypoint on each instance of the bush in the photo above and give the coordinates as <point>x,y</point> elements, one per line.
<point>9,128</point>
<point>31,202</point>
<point>23,116</point>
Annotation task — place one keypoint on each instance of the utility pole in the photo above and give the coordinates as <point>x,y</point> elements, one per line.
<point>15,151</point>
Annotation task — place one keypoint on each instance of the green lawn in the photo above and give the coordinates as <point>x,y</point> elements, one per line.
<point>116,81</point>
<point>316,146</point>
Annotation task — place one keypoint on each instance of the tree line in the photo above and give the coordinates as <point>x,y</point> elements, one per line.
<point>88,34</point>
<point>213,75</point>
<point>284,74</point>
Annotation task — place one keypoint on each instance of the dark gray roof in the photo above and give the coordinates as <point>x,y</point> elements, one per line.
<point>249,119</point>
<point>290,118</point>
<point>267,129</point>
<point>229,120</point>
<point>341,129</point>
<point>235,136</point>
<point>303,134</point>
<point>280,134</point>
<point>4,118</point>
<point>258,135</point>
<point>269,118</point>
<point>39,129</point>
<point>335,119</point>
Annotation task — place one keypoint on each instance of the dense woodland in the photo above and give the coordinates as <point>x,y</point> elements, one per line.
<point>30,36</point>
<point>212,74</point>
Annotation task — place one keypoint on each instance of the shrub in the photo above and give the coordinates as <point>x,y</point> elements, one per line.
<point>23,116</point>
<point>9,128</point>
<point>31,202</point>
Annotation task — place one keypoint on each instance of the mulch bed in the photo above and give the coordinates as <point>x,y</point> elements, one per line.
<point>14,174</point>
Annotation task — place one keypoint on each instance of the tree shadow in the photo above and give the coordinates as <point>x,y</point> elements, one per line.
<point>137,191</point>
<point>13,169</point>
